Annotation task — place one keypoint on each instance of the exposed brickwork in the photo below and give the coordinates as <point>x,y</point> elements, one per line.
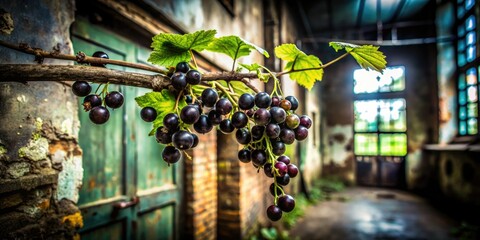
<point>201,189</point>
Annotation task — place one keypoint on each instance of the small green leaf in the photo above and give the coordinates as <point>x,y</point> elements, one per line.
<point>170,49</point>
<point>269,233</point>
<point>234,47</point>
<point>367,56</point>
<point>237,86</point>
<point>251,67</point>
<point>163,102</point>
<point>297,61</point>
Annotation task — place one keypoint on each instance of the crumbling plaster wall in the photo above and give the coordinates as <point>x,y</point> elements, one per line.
<point>40,160</point>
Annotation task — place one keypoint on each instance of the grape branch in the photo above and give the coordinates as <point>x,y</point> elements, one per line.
<point>186,102</point>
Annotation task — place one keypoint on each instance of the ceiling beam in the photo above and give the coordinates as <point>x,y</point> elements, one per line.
<point>360,13</point>
<point>399,9</point>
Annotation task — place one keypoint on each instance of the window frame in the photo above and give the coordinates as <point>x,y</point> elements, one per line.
<point>463,70</point>
<point>379,96</point>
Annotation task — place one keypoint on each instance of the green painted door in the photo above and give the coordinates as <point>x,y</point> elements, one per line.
<point>128,191</point>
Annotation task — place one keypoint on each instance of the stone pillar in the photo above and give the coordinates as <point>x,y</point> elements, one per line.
<point>40,160</point>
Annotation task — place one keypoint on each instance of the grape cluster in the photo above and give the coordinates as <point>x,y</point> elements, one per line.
<point>275,125</point>
<point>96,104</point>
<point>175,131</point>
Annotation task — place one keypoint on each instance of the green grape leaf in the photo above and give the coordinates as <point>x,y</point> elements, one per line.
<point>302,65</point>
<point>163,102</point>
<point>238,87</point>
<point>234,47</point>
<point>367,56</point>
<point>170,49</point>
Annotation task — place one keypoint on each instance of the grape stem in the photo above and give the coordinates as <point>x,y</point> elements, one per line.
<point>315,68</point>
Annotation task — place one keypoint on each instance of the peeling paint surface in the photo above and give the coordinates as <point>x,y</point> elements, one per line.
<point>70,179</point>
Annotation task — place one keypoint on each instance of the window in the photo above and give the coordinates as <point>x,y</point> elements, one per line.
<point>380,123</point>
<point>468,68</point>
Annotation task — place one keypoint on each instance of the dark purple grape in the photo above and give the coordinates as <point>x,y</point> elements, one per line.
<point>275,101</point>
<point>263,100</point>
<point>209,97</point>
<point>171,121</point>
<point>250,113</point>
<point>99,115</point>
<point>91,101</point>
<point>262,116</point>
<point>198,106</point>
<point>292,170</point>
<point>278,114</point>
<point>278,148</point>
<point>286,203</point>
<point>188,99</point>
<point>239,119</point>
<point>114,99</point>
<point>182,67</point>
<point>81,88</point>
<point>203,125</point>
<point>274,213</point>
<point>189,114</point>
<point>214,117</point>
<point>163,135</point>
<point>293,100</point>
<point>284,159</point>
<point>246,101</point>
<point>267,168</point>
<point>244,155</point>
<point>171,155</point>
<point>223,106</point>
<point>259,157</point>
<point>148,114</point>
<point>195,140</point>
<point>282,169</point>
<point>305,121</point>
<point>277,189</point>
<point>285,104</point>
<point>193,77</point>
<point>257,132</point>
<point>99,54</point>
<point>243,136</point>
<point>292,121</point>
<point>301,133</point>
<point>179,80</point>
<point>284,180</point>
<point>182,140</point>
<point>287,136</point>
<point>272,130</point>
<point>226,126</point>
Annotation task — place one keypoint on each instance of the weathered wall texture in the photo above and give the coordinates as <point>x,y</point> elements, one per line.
<point>456,171</point>
<point>40,161</point>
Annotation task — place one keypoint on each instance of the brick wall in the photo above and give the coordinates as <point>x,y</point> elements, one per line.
<point>201,189</point>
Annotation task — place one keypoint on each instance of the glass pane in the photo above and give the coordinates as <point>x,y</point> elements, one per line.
<point>472,94</point>
<point>472,126</point>
<point>471,53</point>
<point>365,115</point>
<point>472,76</point>
<point>461,81</point>
<point>366,144</point>
<point>462,113</point>
<point>462,128</point>
<point>393,144</point>
<point>461,45</point>
<point>462,97</point>
<point>470,23</point>
<point>392,115</point>
<point>460,30</point>
<point>461,59</point>
<point>469,4</point>
<point>471,38</point>
<point>472,110</point>
<point>367,81</point>
<point>460,11</point>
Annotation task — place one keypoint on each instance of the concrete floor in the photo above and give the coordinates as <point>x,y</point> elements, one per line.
<point>373,214</point>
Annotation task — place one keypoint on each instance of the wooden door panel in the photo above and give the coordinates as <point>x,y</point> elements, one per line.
<point>157,224</point>
<point>112,231</point>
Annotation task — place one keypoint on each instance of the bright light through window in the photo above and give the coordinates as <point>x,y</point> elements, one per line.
<point>369,81</point>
